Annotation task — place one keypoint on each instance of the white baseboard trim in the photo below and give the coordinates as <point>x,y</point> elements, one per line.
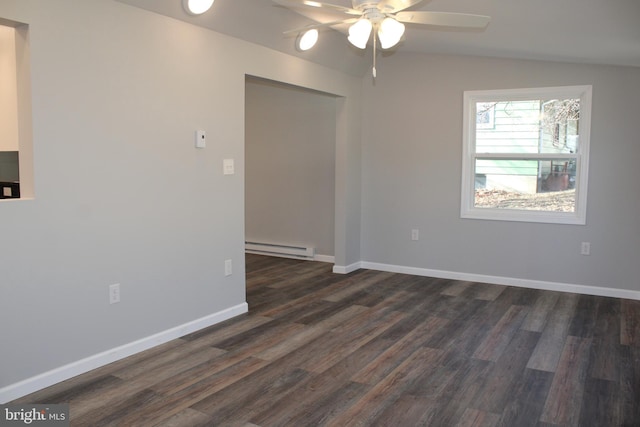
<point>508,281</point>
<point>46,379</point>
<point>346,269</point>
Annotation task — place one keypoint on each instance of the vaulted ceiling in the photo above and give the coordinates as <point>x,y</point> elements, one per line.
<point>582,31</point>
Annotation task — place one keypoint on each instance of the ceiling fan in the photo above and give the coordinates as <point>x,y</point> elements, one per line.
<point>386,17</point>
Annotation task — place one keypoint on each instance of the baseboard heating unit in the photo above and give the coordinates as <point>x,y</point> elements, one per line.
<point>274,249</point>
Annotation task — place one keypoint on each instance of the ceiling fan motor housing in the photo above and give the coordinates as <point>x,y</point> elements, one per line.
<point>369,10</point>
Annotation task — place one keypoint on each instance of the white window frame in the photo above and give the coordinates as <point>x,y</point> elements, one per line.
<point>469,157</point>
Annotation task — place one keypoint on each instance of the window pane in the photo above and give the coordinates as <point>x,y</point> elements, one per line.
<point>539,185</point>
<point>527,126</point>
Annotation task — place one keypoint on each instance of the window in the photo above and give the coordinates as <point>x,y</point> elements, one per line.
<point>526,154</point>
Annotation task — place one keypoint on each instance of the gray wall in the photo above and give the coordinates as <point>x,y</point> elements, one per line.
<point>290,136</point>
<point>121,194</point>
<point>412,148</point>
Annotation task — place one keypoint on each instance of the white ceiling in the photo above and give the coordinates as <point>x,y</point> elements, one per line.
<point>583,31</point>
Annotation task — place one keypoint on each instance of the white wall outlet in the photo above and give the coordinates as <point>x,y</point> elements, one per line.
<point>228,267</point>
<point>201,139</point>
<point>415,234</point>
<point>585,248</point>
<point>228,167</point>
<point>114,293</point>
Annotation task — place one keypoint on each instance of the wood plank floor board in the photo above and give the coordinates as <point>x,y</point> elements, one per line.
<point>453,307</point>
<point>188,417</point>
<point>319,311</point>
<point>276,330</point>
<point>389,389</point>
<point>413,318</point>
<point>379,368</point>
<point>506,373</point>
<point>584,319</point>
<point>251,395</point>
<point>511,295</point>
<point>381,349</point>
<point>629,386</point>
<point>311,272</point>
<point>309,298</point>
<point>327,407</point>
<point>66,392</point>
<point>606,348</point>
<point>168,405</point>
<point>229,328</point>
<point>228,364</point>
<point>171,362</point>
<point>539,313</point>
<point>547,353</point>
<point>500,336</point>
<point>310,333</point>
<point>602,408</point>
<point>408,410</point>
<point>525,406</point>
<point>630,323</point>
<point>477,326</point>
<point>463,333</point>
<point>307,396</point>
<point>338,345</point>
<point>477,418</point>
<point>565,399</point>
<point>483,291</point>
<point>460,392</point>
<point>456,287</point>
<point>434,382</point>
<point>113,414</point>
<point>367,279</point>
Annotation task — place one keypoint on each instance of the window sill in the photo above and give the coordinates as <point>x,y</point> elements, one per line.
<point>489,214</point>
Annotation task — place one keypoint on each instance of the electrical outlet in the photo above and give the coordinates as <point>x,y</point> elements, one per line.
<point>114,293</point>
<point>585,248</point>
<point>228,267</point>
<point>415,234</point>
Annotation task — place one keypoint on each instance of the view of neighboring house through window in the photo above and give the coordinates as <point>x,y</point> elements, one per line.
<point>526,154</point>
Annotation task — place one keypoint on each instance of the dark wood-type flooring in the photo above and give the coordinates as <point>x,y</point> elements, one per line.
<point>376,348</point>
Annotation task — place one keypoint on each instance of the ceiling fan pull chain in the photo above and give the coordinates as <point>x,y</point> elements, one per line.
<point>374,54</point>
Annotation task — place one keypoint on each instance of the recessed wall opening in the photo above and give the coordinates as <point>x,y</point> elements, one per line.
<point>16,152</point>
<point>290,150</point>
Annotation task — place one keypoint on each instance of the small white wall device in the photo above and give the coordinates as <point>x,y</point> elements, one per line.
<point>201,139</point>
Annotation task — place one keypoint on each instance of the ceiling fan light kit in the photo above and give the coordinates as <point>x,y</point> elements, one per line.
<point>359,33</point>
<point>385,16</point>
<point>307,40</point>
<point>390,33</point>
<point>197,7</point>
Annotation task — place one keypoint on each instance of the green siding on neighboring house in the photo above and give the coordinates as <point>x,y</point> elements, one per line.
<point>516,128</point>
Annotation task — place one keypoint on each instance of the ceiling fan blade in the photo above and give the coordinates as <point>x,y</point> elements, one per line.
<point>319,5</point>
<point>320,25</point>
<point>444,19</point>
<point>392,6</point>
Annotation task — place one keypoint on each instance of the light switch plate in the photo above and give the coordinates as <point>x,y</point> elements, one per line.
<point>228,167</point>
